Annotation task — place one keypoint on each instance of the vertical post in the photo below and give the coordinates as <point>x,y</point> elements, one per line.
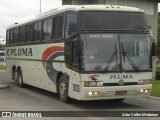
<point>40,7</point>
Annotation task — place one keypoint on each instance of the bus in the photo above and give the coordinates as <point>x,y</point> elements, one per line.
<point>83,52</point>
<point>2,56</point>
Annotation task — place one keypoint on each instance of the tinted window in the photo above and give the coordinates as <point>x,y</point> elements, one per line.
<point>7,37</point>
<point>71,24</point>
<point>10,36</point>
<point>15,36</point>
<point>1,54</point>
<point>37,31</point>
<point>47,29</point>
<point>21,34</point>
<point>29,31</point>
<point>58,24</point>
<point>61,26</point>
<point>76,53</point>
<point>112,21</point>
<point>55,29</point>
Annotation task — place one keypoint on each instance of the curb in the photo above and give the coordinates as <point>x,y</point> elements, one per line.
<point>155,98</point>
<point>2,86</point>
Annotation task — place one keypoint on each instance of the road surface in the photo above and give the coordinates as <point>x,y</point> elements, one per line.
<point>33,99</point>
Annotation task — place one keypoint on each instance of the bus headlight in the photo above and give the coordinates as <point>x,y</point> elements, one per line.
<point>141,82</point>
<point>93,84</point>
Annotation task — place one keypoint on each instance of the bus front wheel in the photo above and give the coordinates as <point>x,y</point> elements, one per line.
<point>63,90</point>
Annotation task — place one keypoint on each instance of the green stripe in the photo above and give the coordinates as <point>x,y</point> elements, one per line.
<point>36,60</point>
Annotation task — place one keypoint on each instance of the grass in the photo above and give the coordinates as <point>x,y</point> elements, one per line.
<point>2,67</point>
<point>155,89</point>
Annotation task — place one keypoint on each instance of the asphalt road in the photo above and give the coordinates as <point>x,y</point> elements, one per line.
<point>34,99</point>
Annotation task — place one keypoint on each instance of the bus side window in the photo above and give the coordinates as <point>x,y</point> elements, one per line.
<point>11,36</point>
<point>15,36</point>
<point>21,34</point>
<point>71,24</point>
<point>55,27</point>
<point>28,32</point>
<point>76,53</point>
<point>7,37</point>
<point>58,27</point>
<point>61,26</point>
<point>37,31</point>
<point>47,29</point>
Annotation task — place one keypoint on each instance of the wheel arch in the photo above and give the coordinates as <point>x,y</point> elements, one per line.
<point>19,68</point>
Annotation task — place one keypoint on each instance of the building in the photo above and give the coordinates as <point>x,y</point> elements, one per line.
<point>149,6</point>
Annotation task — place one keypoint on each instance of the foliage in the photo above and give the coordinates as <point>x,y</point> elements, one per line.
<point>2,47</point>
<point>2,67</point>
<point>155,89</point>
<point>158,41</point>
<point>158,69</point>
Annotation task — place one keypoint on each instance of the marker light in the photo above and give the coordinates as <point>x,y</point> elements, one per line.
<point>93,84</point>
<point>141,82</point>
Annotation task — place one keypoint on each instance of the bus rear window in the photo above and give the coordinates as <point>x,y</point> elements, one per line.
<point>112,21</point>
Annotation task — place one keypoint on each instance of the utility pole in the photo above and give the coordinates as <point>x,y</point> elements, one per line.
<point>40,7</point>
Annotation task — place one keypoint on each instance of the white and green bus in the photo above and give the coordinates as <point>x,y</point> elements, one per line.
<point>88,52</point>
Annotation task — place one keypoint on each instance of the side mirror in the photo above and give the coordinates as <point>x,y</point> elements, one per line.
<point>154,49</point>
<point>150,31</point>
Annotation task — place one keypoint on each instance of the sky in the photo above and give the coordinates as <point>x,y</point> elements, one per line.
<point>16,11</point>
<point>13,11</point>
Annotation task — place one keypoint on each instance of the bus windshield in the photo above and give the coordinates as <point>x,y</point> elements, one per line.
<point>112,21</point>
<point>116,52</point>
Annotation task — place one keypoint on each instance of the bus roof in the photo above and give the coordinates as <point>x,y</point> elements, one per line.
<point>2,51</point>
<point>81,8</point>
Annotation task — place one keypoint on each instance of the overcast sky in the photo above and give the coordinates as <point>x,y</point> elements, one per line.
<point>12,11</point>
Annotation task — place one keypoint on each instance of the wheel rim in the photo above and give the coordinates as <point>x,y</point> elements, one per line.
<point>63,89</point>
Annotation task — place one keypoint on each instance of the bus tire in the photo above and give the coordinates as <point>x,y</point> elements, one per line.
<point>63,89</point>
<point>15,78</point>
<point>14,74</point>
<point>2,60</point>
<point>20,78</point>
<point>16,82</point>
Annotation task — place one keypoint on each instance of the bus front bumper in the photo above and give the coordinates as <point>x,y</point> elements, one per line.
<point>115,92</point>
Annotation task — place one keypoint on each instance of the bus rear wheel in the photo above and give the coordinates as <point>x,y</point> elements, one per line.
<point>63,90</point>
<point>15,78</point>
<point>20,78</point>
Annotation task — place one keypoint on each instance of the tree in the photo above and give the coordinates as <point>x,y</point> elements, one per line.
<point>158,41</point>
<point>2,47</point>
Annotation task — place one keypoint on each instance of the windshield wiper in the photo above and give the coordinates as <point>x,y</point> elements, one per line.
<point>114,54</point>
<point>134,66</point>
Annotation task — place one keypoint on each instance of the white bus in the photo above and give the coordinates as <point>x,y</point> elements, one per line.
<point>2,56</point>
<point>88,52</point>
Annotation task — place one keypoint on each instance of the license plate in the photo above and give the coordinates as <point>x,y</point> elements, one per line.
<point>121,93</point>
